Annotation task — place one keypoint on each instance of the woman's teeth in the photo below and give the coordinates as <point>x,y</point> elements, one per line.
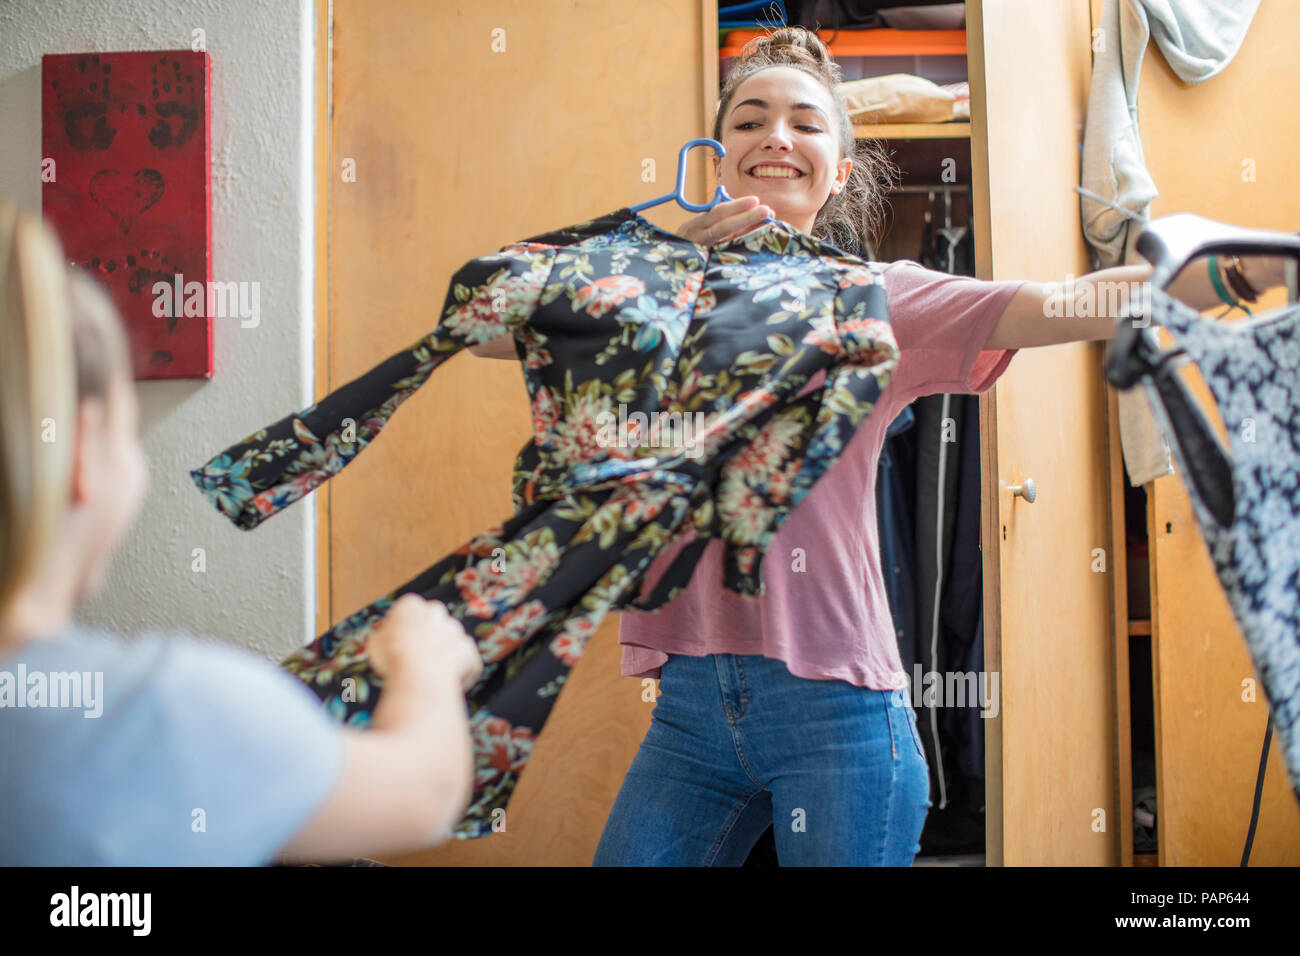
<point>774,172</point>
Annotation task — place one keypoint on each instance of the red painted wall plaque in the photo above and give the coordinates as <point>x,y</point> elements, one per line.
<point>126,171</point>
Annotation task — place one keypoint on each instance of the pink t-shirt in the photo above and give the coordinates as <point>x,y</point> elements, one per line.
<point>831,618</point>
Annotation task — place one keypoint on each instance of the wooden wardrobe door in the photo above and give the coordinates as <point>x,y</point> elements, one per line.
<point>458,128</point>
<point>1224,149</point>
<point>1051,792</point>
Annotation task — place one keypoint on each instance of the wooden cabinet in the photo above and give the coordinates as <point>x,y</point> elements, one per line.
<point>453,112</point>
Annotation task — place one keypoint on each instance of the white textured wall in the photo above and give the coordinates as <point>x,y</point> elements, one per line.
<point>259,587</point>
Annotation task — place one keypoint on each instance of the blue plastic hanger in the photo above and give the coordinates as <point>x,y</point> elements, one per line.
<point>680,193</point>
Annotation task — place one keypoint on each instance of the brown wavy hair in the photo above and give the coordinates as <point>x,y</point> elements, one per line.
<point>853,217</point>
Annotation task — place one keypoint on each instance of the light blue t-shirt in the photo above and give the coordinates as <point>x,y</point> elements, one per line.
<point>200,753</point>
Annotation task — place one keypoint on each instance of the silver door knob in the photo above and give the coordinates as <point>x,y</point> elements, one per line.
<point>1028,491</point>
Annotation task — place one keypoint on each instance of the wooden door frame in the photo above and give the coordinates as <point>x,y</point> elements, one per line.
<point>982,228</point>
<point>322,307</point>
<point>322,316</point>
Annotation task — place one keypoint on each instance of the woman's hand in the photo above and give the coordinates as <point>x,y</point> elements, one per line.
<point>724,221</point>
<point>408,776</point>
<point>502,347</point>
<point>1264,272</point>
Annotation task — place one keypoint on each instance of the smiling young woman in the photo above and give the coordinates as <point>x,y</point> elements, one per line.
<point>791,707</point>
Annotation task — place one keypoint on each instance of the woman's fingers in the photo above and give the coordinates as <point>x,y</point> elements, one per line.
<point>725,220</point>
<point>743,222</point>
<point>706,228</point>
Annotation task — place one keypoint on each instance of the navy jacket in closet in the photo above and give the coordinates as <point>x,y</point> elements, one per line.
<point>961,616</point>
<point>611,317</point>
<point>894,524</point>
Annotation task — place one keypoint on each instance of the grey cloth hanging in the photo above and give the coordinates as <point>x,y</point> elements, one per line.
<point>1198,39</point>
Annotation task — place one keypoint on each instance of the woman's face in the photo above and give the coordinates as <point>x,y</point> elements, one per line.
<point>782,145</point>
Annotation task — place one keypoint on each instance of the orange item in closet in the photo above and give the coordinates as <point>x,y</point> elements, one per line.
<point>869,42</point>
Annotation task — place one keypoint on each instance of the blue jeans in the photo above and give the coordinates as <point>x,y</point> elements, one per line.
<point>737,742</point>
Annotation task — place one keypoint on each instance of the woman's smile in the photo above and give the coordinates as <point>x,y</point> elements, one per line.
<point>775,171</point>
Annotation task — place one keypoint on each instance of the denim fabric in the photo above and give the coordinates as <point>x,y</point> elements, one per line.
<point>737,743</point>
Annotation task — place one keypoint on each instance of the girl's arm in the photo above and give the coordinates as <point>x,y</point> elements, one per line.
<point>407,780</point>
<point>402,788</point>
<point>1083,309</point>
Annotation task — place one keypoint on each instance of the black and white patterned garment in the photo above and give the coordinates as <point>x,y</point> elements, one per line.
<point>1252,367</point>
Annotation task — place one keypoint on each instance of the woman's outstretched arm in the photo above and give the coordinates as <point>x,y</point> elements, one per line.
<point>1084,308</point>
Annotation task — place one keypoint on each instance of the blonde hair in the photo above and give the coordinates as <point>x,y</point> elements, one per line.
<point>60,342</point>
<point>853,218</point>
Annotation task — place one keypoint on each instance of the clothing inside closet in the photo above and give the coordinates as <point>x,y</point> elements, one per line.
<point>928,509</point>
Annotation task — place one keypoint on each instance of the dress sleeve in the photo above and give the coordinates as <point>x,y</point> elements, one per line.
<point>941,322</point>
<point>282,462</point>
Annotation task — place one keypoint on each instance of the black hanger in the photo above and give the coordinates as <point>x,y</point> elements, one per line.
<point>1170,244</point>
<point>1173,242</point>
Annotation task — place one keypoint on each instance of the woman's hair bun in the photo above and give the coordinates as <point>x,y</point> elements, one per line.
<point>796,46</point>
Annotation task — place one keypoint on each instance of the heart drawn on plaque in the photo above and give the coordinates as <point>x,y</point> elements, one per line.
<point>125,197</point>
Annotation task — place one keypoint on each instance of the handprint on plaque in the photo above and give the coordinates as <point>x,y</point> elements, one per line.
<point>83,99</point>
<point>177,104</point>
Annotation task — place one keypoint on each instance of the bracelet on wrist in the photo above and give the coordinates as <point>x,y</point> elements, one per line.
<point>1216,280</point>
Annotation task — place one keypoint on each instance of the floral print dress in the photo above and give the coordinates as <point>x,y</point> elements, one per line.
<point>664,379</point>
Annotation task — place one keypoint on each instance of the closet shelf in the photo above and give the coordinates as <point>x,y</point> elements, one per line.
<point>1138,628</point>
<point>868,42</point>
<point>912,131</point>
